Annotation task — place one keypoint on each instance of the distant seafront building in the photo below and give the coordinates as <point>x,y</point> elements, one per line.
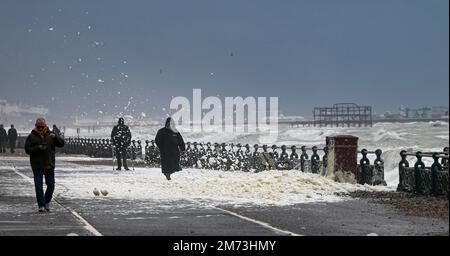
<point>424,112</point>
<point>20,113</point>
<point>439,111</point>
<point>419,113</point>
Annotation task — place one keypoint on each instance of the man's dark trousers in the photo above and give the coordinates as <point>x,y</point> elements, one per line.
<point>42,198</point>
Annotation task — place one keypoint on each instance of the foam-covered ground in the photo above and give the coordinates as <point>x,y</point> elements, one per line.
<point>218,187</point>
<point>237,188</point>
<point>272,187</point>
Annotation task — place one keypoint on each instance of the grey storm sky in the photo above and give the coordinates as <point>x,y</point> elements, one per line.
<point>69,55</point>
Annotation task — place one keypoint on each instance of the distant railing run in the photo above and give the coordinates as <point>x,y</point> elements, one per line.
<point>228,157</point>
<point>98,148</point>
<point>422,180</point>
<point>235,157</point>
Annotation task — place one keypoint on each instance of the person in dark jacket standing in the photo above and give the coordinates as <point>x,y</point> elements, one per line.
<point>40,145</point>
<point>12,137</point>
<point>121,140</point>
<point>170,143</point>
<point>56,130</point>
<point>3,139</point>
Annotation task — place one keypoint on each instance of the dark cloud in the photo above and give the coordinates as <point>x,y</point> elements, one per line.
<point>91,56</point>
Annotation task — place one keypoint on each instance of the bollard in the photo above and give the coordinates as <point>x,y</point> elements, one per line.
<point>315,161</point>
<point>303,158</point>
<point>422,177</point>
<point>324,160</point>
<point>284,156</point>
<point>439,177</point>
<point>364,173</point>
<point>378,169</point>
<point>406,175</point>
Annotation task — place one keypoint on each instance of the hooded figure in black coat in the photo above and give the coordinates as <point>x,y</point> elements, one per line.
<point>170,143</point>
<point>121,139</point>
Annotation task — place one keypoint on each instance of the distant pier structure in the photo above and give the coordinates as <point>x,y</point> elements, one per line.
<point>343,114</point>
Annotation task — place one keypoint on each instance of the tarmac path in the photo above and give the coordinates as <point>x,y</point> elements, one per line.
<point>119,217</point>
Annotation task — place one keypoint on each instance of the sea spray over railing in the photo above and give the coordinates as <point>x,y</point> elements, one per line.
<point>236,157</point>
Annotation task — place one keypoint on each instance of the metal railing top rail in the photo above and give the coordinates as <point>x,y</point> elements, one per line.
<point>234,145</point>
<point>444,154</point>
<point>362,151</point>
<point>274,146</point>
